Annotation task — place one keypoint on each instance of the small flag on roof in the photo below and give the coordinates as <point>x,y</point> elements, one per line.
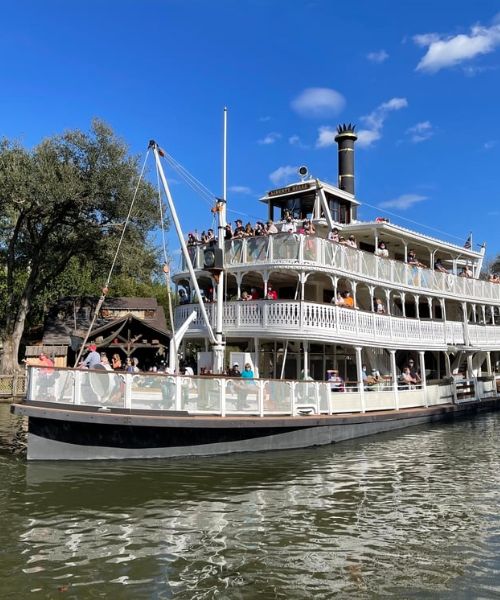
<point>468,242</point>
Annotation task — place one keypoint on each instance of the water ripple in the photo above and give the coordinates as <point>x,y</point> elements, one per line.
<point>407,515</point>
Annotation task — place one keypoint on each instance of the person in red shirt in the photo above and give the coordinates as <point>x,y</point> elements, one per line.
<point>271,294</point>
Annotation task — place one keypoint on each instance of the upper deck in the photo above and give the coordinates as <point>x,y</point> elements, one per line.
<point>295,252</point>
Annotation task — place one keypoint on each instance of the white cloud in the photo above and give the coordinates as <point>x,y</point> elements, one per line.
<point>326,137</point>
<point>403,202</point>
<point>318,103</point>
<point>264,119</point>
<point>377,57</point>
<point>420,132</point>
<point>270,138</point>
<point>240,189</point>
<point>490,144</point>
<point>294,140</point>
<point>282,174</point>
<point>375,121</point>
<point>448,51</point>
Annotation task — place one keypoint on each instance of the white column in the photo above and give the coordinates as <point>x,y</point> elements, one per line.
<point>417,309</point>
<point>305,346</point>
<point>256,344</point>
<point>394,379</point>
<point>447,364</point>
<point>489,370</point>
<point>388,300</point>
<point>403,303</point>
<point>421,355</point>
<point>371,290</point>
<point>359,371</point>
<point>470,372</point>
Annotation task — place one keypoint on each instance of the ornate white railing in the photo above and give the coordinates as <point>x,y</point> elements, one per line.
<point>302,249</point>
<point>294,318</point>
<point>222,396</point>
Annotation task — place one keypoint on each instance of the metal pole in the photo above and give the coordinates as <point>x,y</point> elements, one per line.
<point>180,235</point>
<point>219,344</point>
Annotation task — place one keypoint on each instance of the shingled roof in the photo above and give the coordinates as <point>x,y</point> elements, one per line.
<point>71,316</point>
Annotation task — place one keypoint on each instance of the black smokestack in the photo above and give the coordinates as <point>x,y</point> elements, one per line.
<point>345,138</point>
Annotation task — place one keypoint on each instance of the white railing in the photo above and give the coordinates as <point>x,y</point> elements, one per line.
<point>222,396</point>
<point>298,248</point>
<point>285,318</point>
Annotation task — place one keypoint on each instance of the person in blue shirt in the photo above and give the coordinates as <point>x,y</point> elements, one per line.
<point>245,387</point>
<point>247,372</point>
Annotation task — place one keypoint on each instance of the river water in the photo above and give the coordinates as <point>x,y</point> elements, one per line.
<point>407,515</point>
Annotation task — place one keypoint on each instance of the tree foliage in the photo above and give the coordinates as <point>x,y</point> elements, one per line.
<point>63,206</point>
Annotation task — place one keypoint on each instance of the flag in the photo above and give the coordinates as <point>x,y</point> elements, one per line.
<point>468,242</point>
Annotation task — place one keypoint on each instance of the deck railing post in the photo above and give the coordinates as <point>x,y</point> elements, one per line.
<point>77,387</point>
<point>394,379</point>
<point>222,387</point>
<point>129,379</point>
<point>260,397</point>
<point>178,393</point>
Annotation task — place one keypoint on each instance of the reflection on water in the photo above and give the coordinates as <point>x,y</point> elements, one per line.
<point>412,515</point>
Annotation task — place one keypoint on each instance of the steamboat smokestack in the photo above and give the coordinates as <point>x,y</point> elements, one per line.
<point>345,139</point>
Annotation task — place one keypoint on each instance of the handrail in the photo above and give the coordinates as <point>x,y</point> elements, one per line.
<point>303,317</point>
<point>299,249</point>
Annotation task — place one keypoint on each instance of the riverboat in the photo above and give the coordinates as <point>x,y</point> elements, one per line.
<point>417,341</point>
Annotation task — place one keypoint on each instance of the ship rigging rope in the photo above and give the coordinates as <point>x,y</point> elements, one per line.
<point>194,183</point>
<point>106,285</point>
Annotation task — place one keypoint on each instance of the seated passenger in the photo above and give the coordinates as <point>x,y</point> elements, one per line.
<point>438,266</point>
<point>381,250</point>
<point>407,380</point>
<point>336,382</point>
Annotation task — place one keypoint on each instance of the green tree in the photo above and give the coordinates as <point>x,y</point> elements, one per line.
<point>62,210</point>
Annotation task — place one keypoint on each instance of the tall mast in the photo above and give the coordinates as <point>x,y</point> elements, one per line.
<point>218,347</point>
<point>180,235</point>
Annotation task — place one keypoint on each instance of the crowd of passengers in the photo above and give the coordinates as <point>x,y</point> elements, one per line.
<point>306,227</point>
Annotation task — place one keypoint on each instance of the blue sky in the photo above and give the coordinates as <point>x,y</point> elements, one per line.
<point>420,79</point>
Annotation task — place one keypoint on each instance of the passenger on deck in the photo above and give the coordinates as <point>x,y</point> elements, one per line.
<point>271,228</point>
<point>494,278</point>
<point>407,380</point>
<point>289,225</point>
<point>466,272</point>
<point>382,250</point>
<point>239,230</point>
<point>116,362</point>
<point>413,260</point>
<point>192,239</point>
<point>249,232</point>
<point>342,240</point>
<point>308,228</point>
<point>351,241</point>
<point>348,299</point>
<point>338,300</point>
<point>246,296</point>
<point>336,382</point>
<point>209,237</point>
<point>260,228</point>
<point>379,306</point>
<point>333,236</point>
<point>228,232</point>
<point>438,266</point>
<point>271,294</point>
<point>413,371</point>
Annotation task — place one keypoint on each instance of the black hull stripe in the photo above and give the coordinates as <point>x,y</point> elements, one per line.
<point>126,436</point>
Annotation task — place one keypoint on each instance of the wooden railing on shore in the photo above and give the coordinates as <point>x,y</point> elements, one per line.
<point>12,386</point>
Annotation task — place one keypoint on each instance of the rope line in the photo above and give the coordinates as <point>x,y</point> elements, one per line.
<point>106,285</point>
